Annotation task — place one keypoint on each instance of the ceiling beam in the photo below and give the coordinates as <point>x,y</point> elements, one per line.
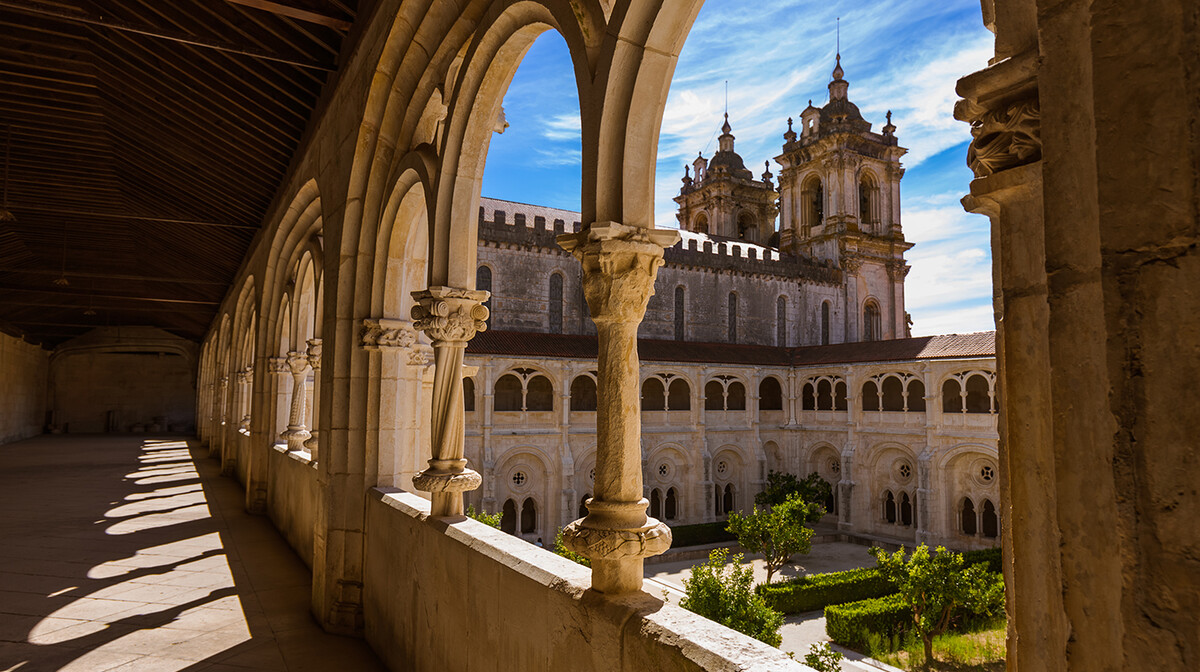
<point>63,212</point>
<point>295,13</point>
<point>112,276</point>
<point>162,34</point>
<point>121,297</point>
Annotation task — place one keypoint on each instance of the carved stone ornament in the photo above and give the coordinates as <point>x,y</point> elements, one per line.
<point>387,333</point>
<point>1005,138</point>
<point>297,362</point>
<point>277,365</point>
<point>450,314</point>
<point>314,353</point>
<point>601,543</point>
<point>224,382</point>
<point>851,264</point>
<point>619,263</point>
<point>898,270</point>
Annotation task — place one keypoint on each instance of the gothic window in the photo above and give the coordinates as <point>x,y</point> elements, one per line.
<point>991,523</point>
<point>968,517</point>
<point>679,396</point>
<point>714,396</point>
<point>655,504</point>
<point>808,398</point>
<point>889,507</point>
<point>735,397</point>
<point>733,315</point>
<point>528,516</point>
<point>556,303</point>
<point>727,499</point>
<point>893,394</point>
<point>770,395</point>
<point>906,509</point>
<point>872,324</point>
<point>670,505</point>
<point>951,397</point>
<point>781,321</point>
<point>654,397</point>
<point>824,323</point>
<point>507,394</point>
<point>679,324</point>
<point>916,396</point>
<point>583,394</point>
<point>824,396</point>
<point>468,395</point>
<point>870,396</point>
<point>539,395</point>
<point>978,400</point>
<point>483,280</point>
<point>508,517</point>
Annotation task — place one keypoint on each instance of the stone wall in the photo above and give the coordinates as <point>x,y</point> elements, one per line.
<point>293,499</point>
<point>23,368</point>
<point>466,596</point>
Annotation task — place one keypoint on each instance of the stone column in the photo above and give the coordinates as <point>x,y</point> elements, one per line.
<point>925,490</point>
<point>619,267</point>
<point>851,265</point>
<point>450,317</point>
<point>314,360</point>
<point>296,433</point>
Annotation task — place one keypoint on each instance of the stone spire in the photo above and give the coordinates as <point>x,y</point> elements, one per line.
<point>839,86</point>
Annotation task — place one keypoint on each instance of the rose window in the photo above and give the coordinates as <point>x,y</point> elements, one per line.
<point>905,470</point>
<point>835,466</point>
<point>592,475</point>
<point>986,474</point>
<point>722,467</point>
<point>518,478</point>
<point>664,469</point>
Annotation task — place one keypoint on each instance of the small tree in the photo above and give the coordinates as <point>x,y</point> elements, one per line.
<point>781,485</point>
<point>725,593</point>
<point>778,533</point>
<point>484,517</point>
<point>822,658</point>
<point>934,586</point>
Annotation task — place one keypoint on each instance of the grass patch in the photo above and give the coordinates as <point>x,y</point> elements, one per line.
<point>980,651</point>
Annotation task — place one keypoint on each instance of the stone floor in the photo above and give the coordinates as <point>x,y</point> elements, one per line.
<point>132,553</point>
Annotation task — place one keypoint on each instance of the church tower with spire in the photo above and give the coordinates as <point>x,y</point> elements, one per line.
<point>839,193</point>
<point>720,197</point>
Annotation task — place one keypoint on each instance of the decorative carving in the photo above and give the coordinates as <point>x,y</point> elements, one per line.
<point>387,333</point>
<point>597,544</point>
<point>296,432</point>
<point>277,364</point>
<point>851,264</point>
<point>1006,137</point>
<point>898,270</point>
<point>450,314</point>
<point>620,264</point>
<point>314,353</point>
<point>297,362</point>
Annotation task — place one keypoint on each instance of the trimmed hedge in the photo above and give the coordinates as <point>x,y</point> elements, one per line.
<point>817,591</point>
<point>697,535</point>
<point>850,624</point>
<point>990,556</point>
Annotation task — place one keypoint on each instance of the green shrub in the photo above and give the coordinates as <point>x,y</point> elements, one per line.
<point>808,593</point>
<point>560,548</point>
<point>991,556</point>
<point>698,535</point>
<point>858,624</point>
<point>724,593</point>
<point>484,517</point>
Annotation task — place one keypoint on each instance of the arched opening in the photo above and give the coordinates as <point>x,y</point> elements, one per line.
<point>679,396</point>
<point>655,504</point>
<point>991,522</point>
<point>727,499</point>
<point>872,322</point>
<point>701,224</point>
<point>951,397</point>
<point>555,303</point>
<point>889,507</point>
<point>770,395</point>
<point>679,314</point>
<point>808,398</point>
<point>812,205</point>
<point>825,323</point>
<point>468,394</point>
<point>714,396</point>
<point>906,510</point>
<point>978,399</point>
<point>824,396</point>
<point>528,516</point>
<point>893,394</point>
<point>508,517</point>
<point>733,318</point>
<point>781,321</point>
<point>654,395</point>
<point>483,280</point>
<point>868,208</point>
<point>830,502</point>
<point>870,396</point>
<point>583,393</point>
<point>967,517</point>
<point>507,395</point>
<point>735,399</point>
<point>670,505</point>
<point>747,230</point>
<point>916,396</point>
<point>539,394</point>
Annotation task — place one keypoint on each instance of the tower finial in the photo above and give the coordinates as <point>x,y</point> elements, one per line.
<point>839,36</point>
<point>837,67</point>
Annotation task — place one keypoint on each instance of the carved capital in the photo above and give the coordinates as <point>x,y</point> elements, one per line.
<point>387,333</point>
<point>277,364</point>
<point>224,382</point>
<point>314,353</point>
<point>851,264</point>
<point>246,376</point>
<point>620,264</point>
<point>297,362</point>
<point>898,270</point>
<point>1001,104</point>
<point>450,314</point>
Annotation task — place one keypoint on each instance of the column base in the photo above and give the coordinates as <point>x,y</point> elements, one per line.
<point>616,552</point>
<point>446,484</point>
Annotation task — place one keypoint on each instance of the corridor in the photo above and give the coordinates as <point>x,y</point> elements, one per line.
<point>132,553</point>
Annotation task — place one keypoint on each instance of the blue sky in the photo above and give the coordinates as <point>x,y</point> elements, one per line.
<point>899,55</point>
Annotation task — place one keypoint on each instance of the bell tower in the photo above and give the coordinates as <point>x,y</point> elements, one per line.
<point>724,199</point>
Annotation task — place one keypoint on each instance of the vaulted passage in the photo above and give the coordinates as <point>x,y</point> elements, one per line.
<point>130,551</point>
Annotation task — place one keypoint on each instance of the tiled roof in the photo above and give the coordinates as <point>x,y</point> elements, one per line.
<point>527,344</point>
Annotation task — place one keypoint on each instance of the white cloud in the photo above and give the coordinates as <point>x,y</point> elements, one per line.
<point>562,127</point>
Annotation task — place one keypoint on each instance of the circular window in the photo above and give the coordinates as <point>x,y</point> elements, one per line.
<point>986,474</point>
<point>664,469</point>
<point>722,467</point>
<point>835,466</point>
<point>592,475</point>
<point>518,478</point>
<point>905,470</point>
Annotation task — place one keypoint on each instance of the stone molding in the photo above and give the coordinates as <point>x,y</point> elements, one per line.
<point>384,332</point>
<point>277,365</point>
<point>314,353</point>
<point>589,538</point>
<point>1001,105</point>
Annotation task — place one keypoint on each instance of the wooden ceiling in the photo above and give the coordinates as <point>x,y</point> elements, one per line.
<point>148,138</point>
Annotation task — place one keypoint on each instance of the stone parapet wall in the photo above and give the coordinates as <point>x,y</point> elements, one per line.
<point>465,596</point>
<point>293,499</point>
<point>24,368</point>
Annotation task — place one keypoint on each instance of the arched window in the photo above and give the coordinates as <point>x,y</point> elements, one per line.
<point>968,517</point>
<point>872,324</point>
<point>701,225</point>
<point>679,323</point>
<point>808,398</point>
<point>679,396</point>
<point>839,396</point>
<point>655,504</point>
<point>770,395</point>
<point>870,396</point>
<point>781,321</point>
<point>468,394</point>
<point>889,508</point>
<point>991,523</point>
<point>508,517</point>
<point>951,397</point>
<point>539,395</point>
<point>528,516</point>
<point>483,280</point>
<point>916,396</point>
<point>746,228</point>
<point>556,303</point>
<point>978,400</point>
<point>824,323</point>
<point>727,499</point>
<point>654,397</point>
<point>735,399</point>
<point>906,510</point>
<point>583,394</point>
<point>824,396</point>
<point>812,199</point>
<point>733,317</point>
<point>717,499</point>
<point>714,396</point>
<point>583,510</point>
<point>507,394</point>
<point>868,215</point>
<point>893,394</point>
<point>670,505</point>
